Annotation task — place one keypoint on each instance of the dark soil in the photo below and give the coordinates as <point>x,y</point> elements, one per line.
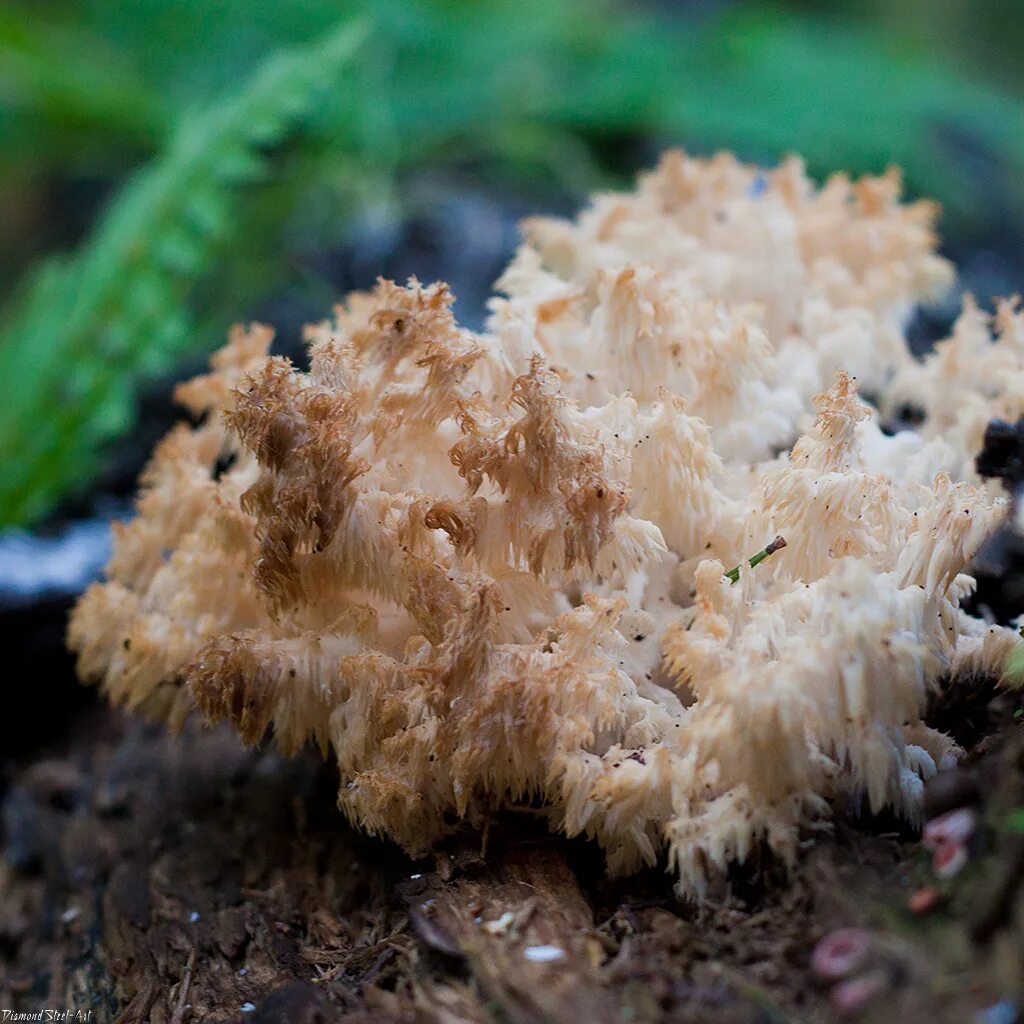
<point>148,877</point>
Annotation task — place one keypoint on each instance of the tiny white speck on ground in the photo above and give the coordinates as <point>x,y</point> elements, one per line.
<point>247,1007</point>
<point>501,925</point>
<point>543,954</point>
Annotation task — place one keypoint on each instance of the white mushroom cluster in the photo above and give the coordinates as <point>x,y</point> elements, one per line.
<point>492,569</point>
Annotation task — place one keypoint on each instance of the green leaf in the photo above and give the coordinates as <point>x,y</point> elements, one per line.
<point>66,84</point>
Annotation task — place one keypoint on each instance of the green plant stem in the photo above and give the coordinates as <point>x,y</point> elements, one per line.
<point>733,575</point>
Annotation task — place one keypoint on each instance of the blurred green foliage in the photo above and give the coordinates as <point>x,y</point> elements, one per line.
<point>120,306</point>
<point>241,125</point>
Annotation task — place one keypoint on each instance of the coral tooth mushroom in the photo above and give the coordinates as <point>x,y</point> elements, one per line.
<point>483,569</point>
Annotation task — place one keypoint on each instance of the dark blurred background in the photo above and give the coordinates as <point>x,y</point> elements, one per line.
<point>168,167</point>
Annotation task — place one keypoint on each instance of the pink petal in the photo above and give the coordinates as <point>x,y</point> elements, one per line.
<point>954,827</point>
<point>923,900</point>
<point>855,994</point>
<point>949,859</point>
<point>841,953</point>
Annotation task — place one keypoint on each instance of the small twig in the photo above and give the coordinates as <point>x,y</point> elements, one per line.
<point>733,574</point>
<point>186,980</point>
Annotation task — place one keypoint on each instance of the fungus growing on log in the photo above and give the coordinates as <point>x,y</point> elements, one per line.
<point>486,569</point>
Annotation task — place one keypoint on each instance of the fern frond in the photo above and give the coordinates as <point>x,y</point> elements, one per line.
<point>89,327</point>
